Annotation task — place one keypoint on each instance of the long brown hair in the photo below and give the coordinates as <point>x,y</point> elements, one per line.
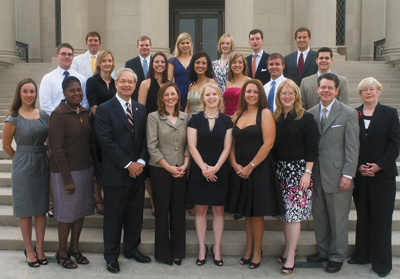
<point>151,68</point>
<point>17,102</point>
<point>262,99</point>
<point>99,60</point>
<point>297,108</point>
<point>161,106</point>
<point>233,57</point>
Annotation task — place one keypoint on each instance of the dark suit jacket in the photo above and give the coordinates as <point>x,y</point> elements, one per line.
<point>119,143</point>
<point>310,66</point>
<point>136,66</point>
<point>381,145</point>
<point>262,73</point>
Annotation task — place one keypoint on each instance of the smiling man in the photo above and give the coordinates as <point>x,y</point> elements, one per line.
<point>275,64</point>
<point>308,86</point>
<point>258,60</point>
<point>334,169</point>
<point>140,64</point>
<point>301,63</point>
<point>121,130</point>
<point>85,64</point>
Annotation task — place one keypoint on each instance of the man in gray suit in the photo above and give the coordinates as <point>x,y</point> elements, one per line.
<point>308,86</point>
<point>334,170</point>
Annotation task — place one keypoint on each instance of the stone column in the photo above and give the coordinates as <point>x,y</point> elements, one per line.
<point>75,23</point>
<point>7,32</point>
<point>155,24</point>
<point>320,18</point>
<point>372,27</point>
<point>392,44</point>
<point>239,20</point>
<point>28,27</point>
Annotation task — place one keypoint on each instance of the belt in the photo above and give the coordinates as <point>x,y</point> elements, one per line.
<point>32,148</point>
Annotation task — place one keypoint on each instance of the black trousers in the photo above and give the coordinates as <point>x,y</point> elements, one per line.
<point>374,199</point>
<point>169,201</point>
<point>123,207</point>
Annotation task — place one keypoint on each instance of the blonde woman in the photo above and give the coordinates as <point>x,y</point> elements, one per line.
<point>226,46</point>
<point>178,69</point>
<point>209,139</point>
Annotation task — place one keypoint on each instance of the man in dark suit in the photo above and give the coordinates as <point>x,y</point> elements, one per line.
<point>334,170</point>
<point>308,86</point>
<point>258,60</point>
<point>301,63</point>
<point>121,131</point>
<point>140,65</point>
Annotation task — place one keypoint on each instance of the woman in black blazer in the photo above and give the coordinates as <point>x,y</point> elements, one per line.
<point>375,182</point>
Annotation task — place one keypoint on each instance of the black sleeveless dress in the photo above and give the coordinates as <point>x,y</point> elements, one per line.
<point>259,195</point>
<point>152,96</point>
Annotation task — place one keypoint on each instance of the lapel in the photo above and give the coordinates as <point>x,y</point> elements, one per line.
<point>86,62</point>
<point>262,63</point>
<point>119,111</point>
<point>333,114</point>
<point>139,67</point>
<point>136,116</point>
<point>361,123</point>
<point>294,64</point>
<point>374,120</point>
<point>179,121</point>
<point>307,62</point>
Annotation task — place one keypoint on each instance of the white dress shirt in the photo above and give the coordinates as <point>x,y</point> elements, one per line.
<point>51,93</point>
<point>259,55</point>
<point>268,85</point>
<point>318,73</point>
<point>305,53</point>
<point>81,64</point>
<point>148,60</point>
<point>124,106</point>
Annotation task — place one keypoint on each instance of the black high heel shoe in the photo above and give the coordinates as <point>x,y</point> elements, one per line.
<point>217,263</point>
<point>32,264</point>
<point>255,265</point>
<point>41,262</point>
<point>244,261</point>
<point>202,262</point>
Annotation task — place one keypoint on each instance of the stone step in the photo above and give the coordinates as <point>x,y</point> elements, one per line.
<point>233,242</point>
<point>271,224</point>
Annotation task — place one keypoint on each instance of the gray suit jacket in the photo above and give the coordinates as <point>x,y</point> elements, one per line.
<point>166,140</point>
<point>338,146</point>
<point>309,92</point>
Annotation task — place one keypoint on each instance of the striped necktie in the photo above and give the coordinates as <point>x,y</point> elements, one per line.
<point>129,114</point>
<point>323,118</point>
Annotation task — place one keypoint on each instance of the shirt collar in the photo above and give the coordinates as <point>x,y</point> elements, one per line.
<point>61,71</point>
<point>305,53</point>
<point>123,102</point>
<point>89,55</point>
<point>259,54</point>
<point>318,73</point>
<point>279,79</point>
<point>329,107</point>
<point>141,58</point>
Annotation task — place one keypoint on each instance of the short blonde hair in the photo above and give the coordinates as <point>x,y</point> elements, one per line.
<point>367,82</point>
<point>183,36</point>
<point>220,42</point>
<point>216,88</point>
<point>298,108</point>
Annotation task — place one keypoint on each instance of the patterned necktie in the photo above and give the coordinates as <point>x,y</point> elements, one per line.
<point>323,118</point>
<point>66,74</point>
<point>254,65</point>
<point>93,63</point>
<point>145,67</point>
<point>300,64</point>
<point>129,114</point>
<point>271,97</point>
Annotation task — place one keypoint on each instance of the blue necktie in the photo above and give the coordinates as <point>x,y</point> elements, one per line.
<point>145,68</point>
<point>271,97</point>
<point>66,74</point>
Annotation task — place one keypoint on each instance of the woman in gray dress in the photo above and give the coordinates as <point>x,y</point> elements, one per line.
<point>30,174</point>
<point>72,168</point>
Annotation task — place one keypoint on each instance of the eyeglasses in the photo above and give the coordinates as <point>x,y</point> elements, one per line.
<point>287,93</point>
<point>365,90</point>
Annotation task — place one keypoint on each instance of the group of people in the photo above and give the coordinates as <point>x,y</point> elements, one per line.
<point>263,135</point>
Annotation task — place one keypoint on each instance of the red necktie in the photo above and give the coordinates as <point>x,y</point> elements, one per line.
<point>254,65</point>
<point>300,64</point>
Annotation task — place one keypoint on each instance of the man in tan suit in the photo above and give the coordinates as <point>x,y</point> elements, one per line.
<point>334,170</point>
<point>308,86</point>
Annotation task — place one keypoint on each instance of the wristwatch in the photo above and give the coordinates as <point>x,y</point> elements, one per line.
<point>308,171</point>
<point>252,164</point>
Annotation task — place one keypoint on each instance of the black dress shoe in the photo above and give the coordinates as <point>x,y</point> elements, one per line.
<point>113,266</point>
<point>316,259</point>
<point>333,267</point>
<point>177,261</point>
<point>139,257</point>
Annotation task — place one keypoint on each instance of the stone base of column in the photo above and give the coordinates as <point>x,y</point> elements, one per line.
<point>366,58</point>
<point>392,54</point>
<point>165,50</point>
<point>35,60</point>
<point>9,56</point>
<point>245,50</point>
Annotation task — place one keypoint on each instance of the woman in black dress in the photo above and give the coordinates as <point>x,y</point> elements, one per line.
<point>294,152</point>
<point>375,182</point>
<point>209,139</point>
<point>99,89</point>
<point>254,190</point>
<point>148,95</point>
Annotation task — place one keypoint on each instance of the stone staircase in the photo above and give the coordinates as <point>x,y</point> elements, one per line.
<point>233,242</point>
